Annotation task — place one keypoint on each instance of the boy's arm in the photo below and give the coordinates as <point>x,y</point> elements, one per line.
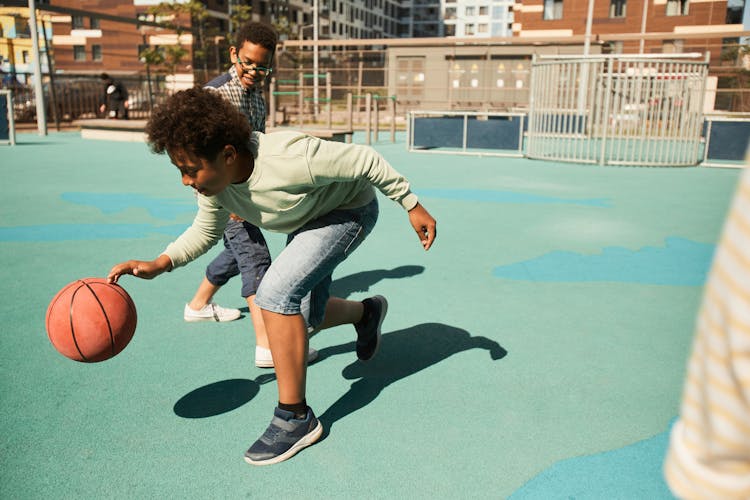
<point>334,161</point>
<point>140,268</point>
<point>423,224</point>
<point>206,230</point>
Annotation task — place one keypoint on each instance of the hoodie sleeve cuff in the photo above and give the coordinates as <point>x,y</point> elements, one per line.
<point>409,201</point>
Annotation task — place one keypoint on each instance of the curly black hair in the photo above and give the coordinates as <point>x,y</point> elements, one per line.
<point>199,121</point>
<point>258,33</point>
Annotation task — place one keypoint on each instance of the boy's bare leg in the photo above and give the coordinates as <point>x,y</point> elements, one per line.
<point>256,316</point>
<point>204,294</point>
<point>287,335</point>
<point>341,312</point>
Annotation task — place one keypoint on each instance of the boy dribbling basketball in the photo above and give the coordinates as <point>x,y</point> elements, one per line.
<point>317,192</point>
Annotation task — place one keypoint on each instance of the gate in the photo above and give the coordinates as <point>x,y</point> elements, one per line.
<point>617,109</point>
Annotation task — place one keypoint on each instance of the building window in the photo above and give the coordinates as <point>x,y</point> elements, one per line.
<point>96,52</point>
<point>77,22</point>
<point>617,8</point>
<point>94,23</point>
<point>410,77</point>
<point>482,28</point>
<point>553,9</point>
<point>450,30</point>
<point>25,56</point>
<point>79,52</point>
<point>450,13</point>
<point>672,46</point>
<point>677,7</point>
<point>469,29</point>
<point>469,11</point>
<point>731,53</point>
<point>734,14</point>
<point>483,10</point>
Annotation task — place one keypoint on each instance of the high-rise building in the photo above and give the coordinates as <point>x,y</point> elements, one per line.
<point>469,18</point>
<point>372,19</point>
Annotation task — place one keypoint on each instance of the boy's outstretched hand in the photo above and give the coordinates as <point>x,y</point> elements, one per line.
<point>140,268</point>
<point>423,224</point>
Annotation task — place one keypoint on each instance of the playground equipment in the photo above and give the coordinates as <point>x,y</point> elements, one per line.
<point>306,109</point>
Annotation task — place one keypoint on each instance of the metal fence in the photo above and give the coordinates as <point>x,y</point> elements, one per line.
<point>617,109</point>
<point>75,97</point>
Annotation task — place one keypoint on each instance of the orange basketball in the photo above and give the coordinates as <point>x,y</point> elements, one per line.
<point>90,320</point>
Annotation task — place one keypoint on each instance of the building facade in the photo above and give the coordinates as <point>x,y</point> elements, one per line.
<point>16,52</point>
<point>679,23</point>
<point>469,18</point>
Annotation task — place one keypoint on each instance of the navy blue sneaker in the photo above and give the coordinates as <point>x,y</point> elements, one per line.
<point>284,437</point>
<point>368,328</point>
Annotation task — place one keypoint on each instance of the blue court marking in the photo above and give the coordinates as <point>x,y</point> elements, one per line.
<point>634,471</point>
<point>110,203</point>
<point>509,197</point>
<point>78,232</point>
<point>680,262</point>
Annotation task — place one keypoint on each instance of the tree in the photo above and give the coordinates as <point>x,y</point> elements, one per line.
<point>239,15</point>
<point>283,27</point>
<point>198,14</point>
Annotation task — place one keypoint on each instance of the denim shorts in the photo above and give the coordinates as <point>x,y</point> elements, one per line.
<point>245,252</point>
<point>299,279</point>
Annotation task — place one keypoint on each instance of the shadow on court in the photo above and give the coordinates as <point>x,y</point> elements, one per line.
<point>361,282</point>
<point>402,353</point>
<point>220,397</point>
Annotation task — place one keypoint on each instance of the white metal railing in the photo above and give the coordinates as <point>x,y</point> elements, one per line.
<point>617,109</point>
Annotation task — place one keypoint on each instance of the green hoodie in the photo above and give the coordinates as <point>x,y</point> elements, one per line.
<point>297,178</point>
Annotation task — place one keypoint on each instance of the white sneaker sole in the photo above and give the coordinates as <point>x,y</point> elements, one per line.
<point>195,319</point>
<point>308,439</point>
<point>268,363</point>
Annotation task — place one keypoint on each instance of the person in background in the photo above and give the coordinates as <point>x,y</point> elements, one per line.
<point>114,102</point>
<point>245,250</point>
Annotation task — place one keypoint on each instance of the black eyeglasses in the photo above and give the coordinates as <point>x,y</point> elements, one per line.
<point>251,66</point>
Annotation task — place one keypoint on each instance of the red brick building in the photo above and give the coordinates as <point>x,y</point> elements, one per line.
<point>664,25</point>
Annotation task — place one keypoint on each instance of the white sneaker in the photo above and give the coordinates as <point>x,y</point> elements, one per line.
<point>263,358</point>
<point>211,312</point>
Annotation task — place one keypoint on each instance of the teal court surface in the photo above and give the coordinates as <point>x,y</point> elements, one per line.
<point>536,352</point>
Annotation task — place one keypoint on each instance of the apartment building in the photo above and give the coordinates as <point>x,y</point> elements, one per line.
<point>421,19</point>
<point>682,25</point>
<point>91,36</point>
<point>16,54</point>
<point>368,19</point>
<point>480,19</point>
